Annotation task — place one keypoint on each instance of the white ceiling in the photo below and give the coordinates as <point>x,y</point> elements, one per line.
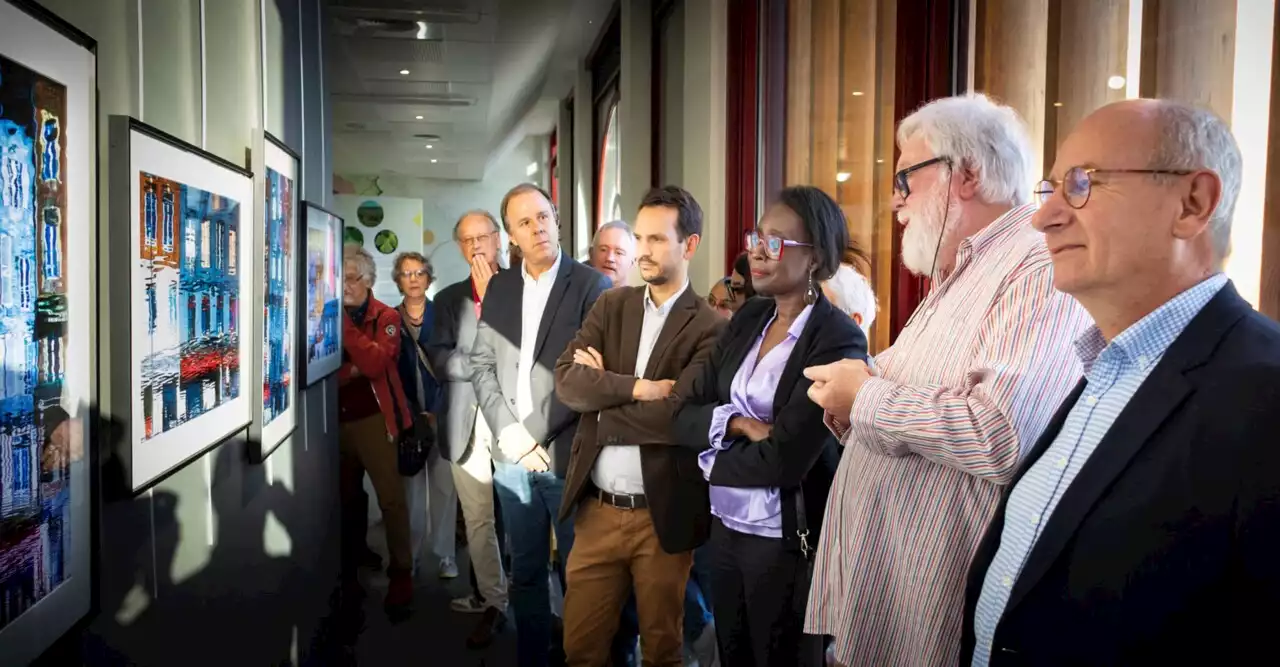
<point>483,74</point>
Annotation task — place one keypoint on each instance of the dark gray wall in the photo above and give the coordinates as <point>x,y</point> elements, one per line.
<point>224,562</point>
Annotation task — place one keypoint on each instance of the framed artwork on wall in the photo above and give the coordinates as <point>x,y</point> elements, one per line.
<point>276,299</point>
<point>48,217</point>
<point>182,220</point>
<point>320,274</point>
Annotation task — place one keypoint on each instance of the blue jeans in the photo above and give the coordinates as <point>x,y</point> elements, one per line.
<point>530,502</point>
<point>697,613</point>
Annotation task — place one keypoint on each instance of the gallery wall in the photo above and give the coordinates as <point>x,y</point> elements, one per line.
<point>223,559</point>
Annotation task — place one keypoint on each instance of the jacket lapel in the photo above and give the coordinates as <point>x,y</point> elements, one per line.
<point>682,312</point>
<point>1163,391</point>
<point>558,289</point>
<point>632,322</point>
<point>799,357</point>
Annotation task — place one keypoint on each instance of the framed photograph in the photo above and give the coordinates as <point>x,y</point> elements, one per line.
<point>48,322</point>
<point>276,298</point>
<point>321,279</point>
<point>182,219</point>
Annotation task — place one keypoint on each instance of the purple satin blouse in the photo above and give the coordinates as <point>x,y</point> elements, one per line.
<point>757,511</point>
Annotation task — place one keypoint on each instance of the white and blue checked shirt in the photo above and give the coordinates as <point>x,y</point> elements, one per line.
<point>1113,373</point>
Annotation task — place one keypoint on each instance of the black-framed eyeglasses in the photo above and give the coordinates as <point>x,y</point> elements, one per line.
<point>902,180</point>
<point>730,291</point>
<point>1077,183</point>
<point>773,245</point>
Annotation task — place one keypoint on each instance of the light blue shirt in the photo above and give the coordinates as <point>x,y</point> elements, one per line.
<point>1113,374</point>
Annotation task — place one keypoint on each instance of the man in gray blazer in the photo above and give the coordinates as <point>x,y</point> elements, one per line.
<point>530,315</point>
<point>466,439</point>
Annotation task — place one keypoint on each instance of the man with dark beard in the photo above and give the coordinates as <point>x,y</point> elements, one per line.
<point>934,432</point>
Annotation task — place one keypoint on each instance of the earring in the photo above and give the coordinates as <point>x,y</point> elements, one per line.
<point>811,294</point>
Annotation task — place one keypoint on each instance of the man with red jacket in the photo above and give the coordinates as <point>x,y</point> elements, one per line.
<point>372,411</point>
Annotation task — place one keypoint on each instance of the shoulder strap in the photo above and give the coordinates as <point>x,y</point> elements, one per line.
<point>802,523</point>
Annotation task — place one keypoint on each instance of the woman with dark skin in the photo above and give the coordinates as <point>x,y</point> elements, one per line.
<point>765,451</point>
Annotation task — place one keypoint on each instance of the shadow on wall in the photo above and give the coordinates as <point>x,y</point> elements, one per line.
<point>244,607</point>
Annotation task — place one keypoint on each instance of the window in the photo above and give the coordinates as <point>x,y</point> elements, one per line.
<point>840,117</point>
<point>609,178</point>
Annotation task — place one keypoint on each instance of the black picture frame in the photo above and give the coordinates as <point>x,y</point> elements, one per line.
<point>118,263</point>
<point>309,375</point>
<point>69,605</point>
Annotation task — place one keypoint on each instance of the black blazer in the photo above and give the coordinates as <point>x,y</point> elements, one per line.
<point>801,452</point>
<point>1165,550</point>
<point>495,355</point>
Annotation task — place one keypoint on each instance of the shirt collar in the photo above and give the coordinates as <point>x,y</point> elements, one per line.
<point>1012,222</point>
<point>797,327</point>
<point>358,313</point>
<point>665,308</point>
<point>1147,339</point>
<point>555,269</point>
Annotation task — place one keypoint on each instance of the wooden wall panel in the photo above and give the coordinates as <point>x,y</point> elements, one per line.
<point>1011,60</point>
<point>825,112</point>
<point>857,136</point>
<point>799,91</point>
<point>1092,47</point>
<point>1195,51</point>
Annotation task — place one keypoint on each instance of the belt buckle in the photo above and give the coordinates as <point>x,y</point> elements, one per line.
<point>631,502</point>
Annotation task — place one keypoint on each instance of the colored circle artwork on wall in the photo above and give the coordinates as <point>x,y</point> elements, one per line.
<point>370,213</point>
<point>386,241</point>
<point>353,235</point>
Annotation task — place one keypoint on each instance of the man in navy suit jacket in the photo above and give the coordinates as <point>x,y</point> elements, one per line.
<point>1144,526</point>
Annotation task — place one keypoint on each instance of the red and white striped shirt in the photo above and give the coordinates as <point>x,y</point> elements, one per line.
<point>969,385</point>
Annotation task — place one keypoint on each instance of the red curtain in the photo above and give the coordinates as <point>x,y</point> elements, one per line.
<point>742,149</point>
<point>924,70</point>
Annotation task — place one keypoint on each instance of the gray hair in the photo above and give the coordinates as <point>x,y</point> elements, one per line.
<point>475,211</point>
<point>977,133</point>
<point>355,253</point>
<point>853,294</point>
<point>412,256</point>
<point>1192,139</point>
<point>613,224</point>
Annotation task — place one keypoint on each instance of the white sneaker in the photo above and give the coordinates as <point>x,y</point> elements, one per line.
<point>468,605</point>
<point>448,568</point>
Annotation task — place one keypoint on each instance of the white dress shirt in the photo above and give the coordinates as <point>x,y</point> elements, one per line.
<point>536,292</point>
<point>617,468</point>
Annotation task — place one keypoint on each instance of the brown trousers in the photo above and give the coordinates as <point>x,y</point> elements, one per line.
<point>365,446</point>
<point>614,551</point>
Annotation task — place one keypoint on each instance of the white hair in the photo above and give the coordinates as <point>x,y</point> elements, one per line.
<point>853,294</point>
<point>979,134</point>
<point>1191,139</point>
<point>615,224</point>
<point>357,255</point>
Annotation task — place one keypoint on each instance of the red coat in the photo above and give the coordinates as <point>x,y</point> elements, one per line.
<point>373,349</point>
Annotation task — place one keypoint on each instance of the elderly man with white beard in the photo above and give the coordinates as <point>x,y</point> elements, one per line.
<point>935,430</point>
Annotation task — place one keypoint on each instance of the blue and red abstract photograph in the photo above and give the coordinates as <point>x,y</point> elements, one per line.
<point>34,479</point>
<point>191,342</point>
<point>277,349</point>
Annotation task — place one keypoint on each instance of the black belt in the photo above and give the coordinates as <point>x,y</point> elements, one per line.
<point>623,501</point>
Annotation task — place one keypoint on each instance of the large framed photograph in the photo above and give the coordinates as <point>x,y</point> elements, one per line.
<point>276,297</point>
<point>321,278</point>
<point>182,219</point>
<point>48,204</point>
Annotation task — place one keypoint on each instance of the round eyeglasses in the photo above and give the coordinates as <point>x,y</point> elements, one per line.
<point>773,245</point>
<point>1077,183</point>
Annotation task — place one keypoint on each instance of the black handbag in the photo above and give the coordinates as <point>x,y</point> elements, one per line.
<point>416,439</point>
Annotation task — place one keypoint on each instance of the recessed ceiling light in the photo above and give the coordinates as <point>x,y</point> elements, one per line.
<point>418,117</point>
<point>404,72</point>
<point>433,160</point>
<point>1115,82</point>
<point>842,177</point>
<point>879,161</point>
<point>1057,104</point>
<point>857,93</point>
<point>428,146</point>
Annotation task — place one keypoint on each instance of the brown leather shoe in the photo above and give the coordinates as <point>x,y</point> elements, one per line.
<point>491,623</point>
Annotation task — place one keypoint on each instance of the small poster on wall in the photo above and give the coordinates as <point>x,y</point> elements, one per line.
<point>386,227</point>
